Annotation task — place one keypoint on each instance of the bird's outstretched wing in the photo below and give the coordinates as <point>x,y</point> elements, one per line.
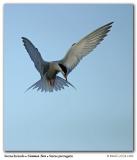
<point>34,55</point>
<point>84,47</point>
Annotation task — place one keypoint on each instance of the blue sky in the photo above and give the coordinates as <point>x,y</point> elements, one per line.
<point>98,116</point>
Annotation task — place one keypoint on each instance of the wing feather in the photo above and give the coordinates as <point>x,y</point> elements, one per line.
<point>84,47</point>
<point>35,56</point>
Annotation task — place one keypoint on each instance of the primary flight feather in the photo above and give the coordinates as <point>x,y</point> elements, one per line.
<point>48,70</point>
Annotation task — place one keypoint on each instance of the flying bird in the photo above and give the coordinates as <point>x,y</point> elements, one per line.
<point>48,70</point>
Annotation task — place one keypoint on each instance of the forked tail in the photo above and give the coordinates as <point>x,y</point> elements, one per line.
<point>43,85</point>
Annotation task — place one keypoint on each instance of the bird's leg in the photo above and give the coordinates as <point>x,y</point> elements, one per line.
<point>66,77</point>
<point>51,82</point>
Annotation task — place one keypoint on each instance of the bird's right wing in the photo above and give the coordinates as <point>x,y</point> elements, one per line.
<point>34,55</point>
<point>84,47</point>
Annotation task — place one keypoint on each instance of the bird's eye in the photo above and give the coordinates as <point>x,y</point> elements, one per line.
<point>64,69</point>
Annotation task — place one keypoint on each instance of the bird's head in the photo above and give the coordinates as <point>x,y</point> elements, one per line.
<point>63,70</point>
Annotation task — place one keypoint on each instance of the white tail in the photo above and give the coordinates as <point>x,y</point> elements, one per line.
<point>43,85</point>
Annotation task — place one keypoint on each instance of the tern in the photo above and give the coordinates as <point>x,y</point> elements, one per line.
<point>49,80</point>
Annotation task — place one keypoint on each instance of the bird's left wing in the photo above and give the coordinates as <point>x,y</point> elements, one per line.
<point>84,47</point>
<point>34,55</point>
